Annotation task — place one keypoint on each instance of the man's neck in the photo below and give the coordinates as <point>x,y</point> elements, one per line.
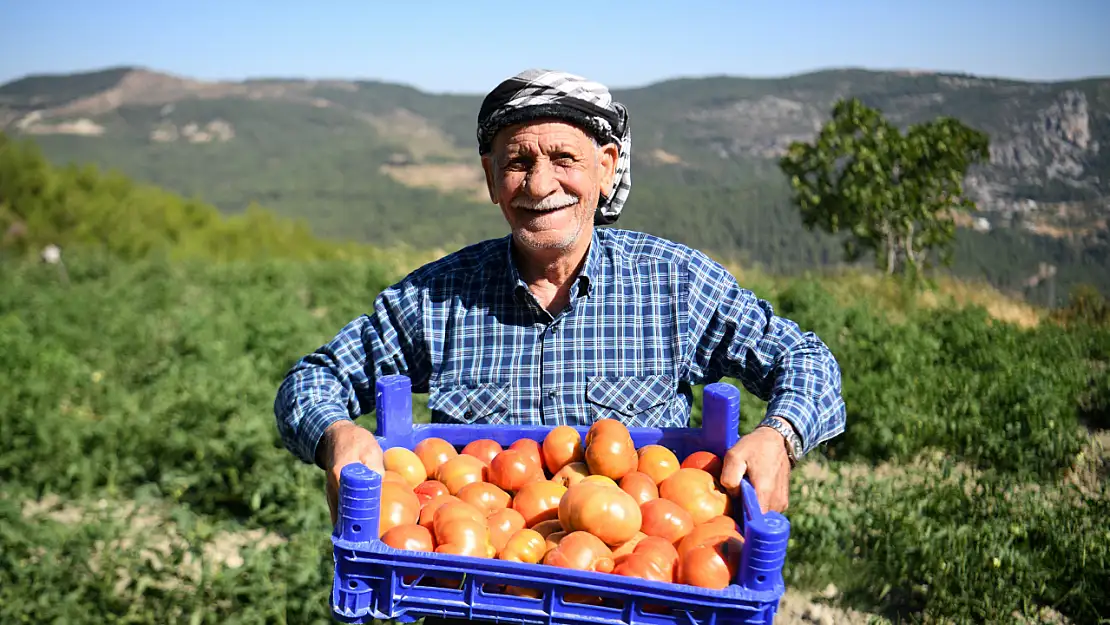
<point>550,274</point>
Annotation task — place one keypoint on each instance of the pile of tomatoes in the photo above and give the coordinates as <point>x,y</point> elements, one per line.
<point>595,504</point>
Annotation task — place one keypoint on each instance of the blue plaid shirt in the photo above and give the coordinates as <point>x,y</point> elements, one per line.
<point>647,320</point>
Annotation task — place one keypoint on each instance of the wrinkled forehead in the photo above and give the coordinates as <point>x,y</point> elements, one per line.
<point>542,135</point>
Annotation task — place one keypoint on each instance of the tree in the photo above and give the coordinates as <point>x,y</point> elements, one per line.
<point>894,194</point>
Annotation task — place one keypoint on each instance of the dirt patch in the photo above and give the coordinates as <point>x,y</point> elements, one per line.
<point>451,177</point>
<point>160,543</point>
<point>797,608</point>
<point>664,157</point>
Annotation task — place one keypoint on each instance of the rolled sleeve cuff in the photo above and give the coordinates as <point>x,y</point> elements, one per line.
<point>318,419</point>
<point>815,423</point>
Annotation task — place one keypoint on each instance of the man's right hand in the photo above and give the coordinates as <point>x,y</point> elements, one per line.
<point>345,442</point>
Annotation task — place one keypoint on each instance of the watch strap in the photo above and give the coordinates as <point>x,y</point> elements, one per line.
<point>789,435</point>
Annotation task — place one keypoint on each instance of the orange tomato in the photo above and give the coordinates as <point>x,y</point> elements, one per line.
<point>553,539</point>
<point>483,449</point>
<point>662,551</point>
<point>642,566</point>
<point>457,532</point>
<point>434,452</point>
<point>485,496</point>
<point>582,551</point>
<point>398,506</point>
<point>410,537</point>
<point>609,449</point>
<point>531,449</point>
<point>546,528</point>
<point>666,519</point>
<point>640,485</point>
<point>628,546</point>
<point>707,534</point>
<point>459,471</point>
<point>405,463</point>
<point>539,501</point>
<point>608,513</point>
<point>427,513</point>
<point>697,493</point>
<point>711,565</point>
<point>393,476</point>
<point>562,446</point>
<point>429,490</point>
<point>512,469</point>
<point>571,474</point>
<point>704,460</point>
<point>503,523</point>
<point>657,462</point>
<point>524,545</point>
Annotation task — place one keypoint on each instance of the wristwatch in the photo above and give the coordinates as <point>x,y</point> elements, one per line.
<point>793,441</point>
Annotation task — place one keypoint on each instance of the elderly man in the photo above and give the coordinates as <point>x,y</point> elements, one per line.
<point>561,322</point>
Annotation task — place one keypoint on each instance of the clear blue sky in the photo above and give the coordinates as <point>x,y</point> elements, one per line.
<point>470,45</point>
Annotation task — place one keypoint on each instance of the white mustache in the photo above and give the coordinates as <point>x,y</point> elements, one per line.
<point>551,202</point>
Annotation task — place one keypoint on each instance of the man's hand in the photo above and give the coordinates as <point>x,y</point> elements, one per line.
<point>762,456</point>
<point>345,442</point>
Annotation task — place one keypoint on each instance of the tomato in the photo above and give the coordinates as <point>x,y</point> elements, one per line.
<point>429,490</point>
<point>410,537</point>
<point>427,513</point>
<point>666,519</point>
<point>512,469</point>
<point>604,511</point>
<point>571,474</point>
<point>459,471</point>
<point>609,449</point>
<point>697,493</point>
<point>706,461</point>
<point>657,462</point>
<point>457,532</point>
<point>707,534</point>
<point>642,566</point>
<point>553,539</point>
<point>600,479</point>
<point>628,546</point>
<point>484,496</point>
<point>582,551</point>
<point>546,528</point>
<point>524,545</point>
<point>662,552</point>
<point>398,506</point>
<point>434,452</point>
<point>562,446</point>
<point>406,463</point>
<point>531,449</point>
<point>640,485</point>
<point>503,523</point>
<point>539,501</point>
<point>393,476</point>
<point>483,449</point>
<point>710,565</point>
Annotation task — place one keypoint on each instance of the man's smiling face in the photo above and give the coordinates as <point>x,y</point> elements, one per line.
<point>547,177</point>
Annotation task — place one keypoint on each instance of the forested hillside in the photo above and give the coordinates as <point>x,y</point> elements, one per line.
<point>386,163</point>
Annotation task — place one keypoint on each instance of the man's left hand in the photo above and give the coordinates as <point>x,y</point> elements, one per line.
<point>761,455</point>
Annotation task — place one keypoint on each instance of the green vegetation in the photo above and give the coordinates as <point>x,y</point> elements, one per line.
<point>896,195</point>
<point>703,166</point>
<point>141,472</point>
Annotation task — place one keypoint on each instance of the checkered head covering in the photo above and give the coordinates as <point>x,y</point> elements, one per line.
<point>543,94</point>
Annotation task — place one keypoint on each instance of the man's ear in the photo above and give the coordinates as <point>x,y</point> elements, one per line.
<point>491,185</point>
<point>607,156</point>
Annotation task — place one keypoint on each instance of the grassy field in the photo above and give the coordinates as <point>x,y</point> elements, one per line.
<point>141,474</point>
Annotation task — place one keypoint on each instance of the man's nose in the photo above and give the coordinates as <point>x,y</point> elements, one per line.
<point>540,182</point>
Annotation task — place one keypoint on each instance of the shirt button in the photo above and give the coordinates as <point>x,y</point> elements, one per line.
<point>551,394</point>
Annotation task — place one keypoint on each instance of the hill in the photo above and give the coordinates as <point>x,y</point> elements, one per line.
<point>382,163</point>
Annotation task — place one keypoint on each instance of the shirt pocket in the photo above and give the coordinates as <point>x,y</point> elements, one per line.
<point>642,401</point>
<point>477,403</point>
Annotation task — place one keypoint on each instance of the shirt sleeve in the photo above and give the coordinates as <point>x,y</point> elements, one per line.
<point>738,335</point>
<point>337,381</point>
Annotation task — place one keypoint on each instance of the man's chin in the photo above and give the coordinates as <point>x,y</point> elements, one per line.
<point>545,239</point>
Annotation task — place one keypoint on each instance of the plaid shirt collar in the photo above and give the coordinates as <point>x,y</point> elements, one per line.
<point>586,277</point>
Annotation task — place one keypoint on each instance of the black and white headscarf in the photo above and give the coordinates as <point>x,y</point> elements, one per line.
<point>536,93</point>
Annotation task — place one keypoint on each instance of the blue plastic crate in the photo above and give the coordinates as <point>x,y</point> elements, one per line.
<point>375,581</point>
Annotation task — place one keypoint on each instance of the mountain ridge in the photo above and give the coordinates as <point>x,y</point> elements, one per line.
<point>343,154</point>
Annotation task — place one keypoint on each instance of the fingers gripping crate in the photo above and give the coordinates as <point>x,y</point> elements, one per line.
<point>375,581</point>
